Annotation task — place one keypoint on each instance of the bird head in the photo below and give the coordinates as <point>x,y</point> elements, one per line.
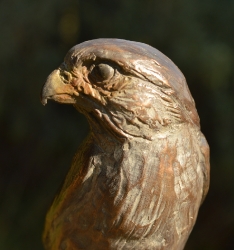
<point>128,88</point>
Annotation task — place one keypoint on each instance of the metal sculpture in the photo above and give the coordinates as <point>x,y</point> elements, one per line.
<point>139,178</point>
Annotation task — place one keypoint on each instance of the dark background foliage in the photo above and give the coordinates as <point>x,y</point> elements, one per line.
<point>37,143</point>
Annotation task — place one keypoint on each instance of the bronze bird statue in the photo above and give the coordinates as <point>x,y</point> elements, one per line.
<point>139,178</point>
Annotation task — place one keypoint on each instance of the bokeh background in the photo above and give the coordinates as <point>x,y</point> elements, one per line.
<point>37,143</point>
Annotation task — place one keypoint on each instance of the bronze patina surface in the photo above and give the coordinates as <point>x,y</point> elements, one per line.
<point>139,178</point>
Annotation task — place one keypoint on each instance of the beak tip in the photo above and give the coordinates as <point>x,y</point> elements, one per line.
<point>44,101</point>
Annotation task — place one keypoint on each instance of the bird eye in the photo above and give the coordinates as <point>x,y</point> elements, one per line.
<point>102,72</point>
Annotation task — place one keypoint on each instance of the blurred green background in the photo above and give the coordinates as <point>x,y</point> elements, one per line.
<point>38,143</point>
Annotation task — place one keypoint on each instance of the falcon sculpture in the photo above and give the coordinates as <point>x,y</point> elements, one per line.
<point>140,176</point>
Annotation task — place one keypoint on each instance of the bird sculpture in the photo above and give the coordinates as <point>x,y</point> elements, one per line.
<point>139,178</point>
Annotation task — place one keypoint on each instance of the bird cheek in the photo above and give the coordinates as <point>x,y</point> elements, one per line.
<point>74,82</point>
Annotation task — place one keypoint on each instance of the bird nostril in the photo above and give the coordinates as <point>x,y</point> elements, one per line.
<point>66,76</point>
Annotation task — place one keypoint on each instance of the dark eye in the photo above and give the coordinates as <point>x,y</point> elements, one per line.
<point>102,72</point>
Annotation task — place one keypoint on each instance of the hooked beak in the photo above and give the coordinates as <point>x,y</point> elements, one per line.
<point>56,89</point>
